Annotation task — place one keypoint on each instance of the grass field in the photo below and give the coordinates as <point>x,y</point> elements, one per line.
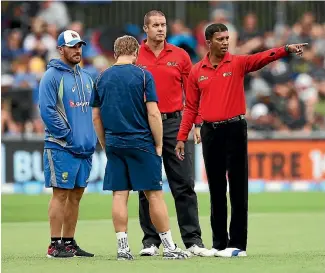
<point>286,234</point>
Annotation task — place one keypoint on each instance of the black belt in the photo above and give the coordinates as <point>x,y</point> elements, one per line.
<point>227,121</point>
<point>176,114</point>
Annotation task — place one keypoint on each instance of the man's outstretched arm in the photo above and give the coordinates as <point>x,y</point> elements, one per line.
<point>257,61</point>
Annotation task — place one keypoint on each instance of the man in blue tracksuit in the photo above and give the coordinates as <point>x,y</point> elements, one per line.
<point>70,141</point>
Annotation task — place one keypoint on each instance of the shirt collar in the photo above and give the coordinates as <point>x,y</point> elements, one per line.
<point>206,61</point>
<point>167,46</point>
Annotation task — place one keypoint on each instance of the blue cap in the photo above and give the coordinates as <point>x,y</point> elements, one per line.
<point>69,38</point>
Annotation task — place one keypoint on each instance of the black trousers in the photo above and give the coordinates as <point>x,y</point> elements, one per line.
<point>181,183</point>
<point>225,149</point>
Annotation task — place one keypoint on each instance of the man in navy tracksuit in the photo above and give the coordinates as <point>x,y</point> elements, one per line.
<point>70,141</point>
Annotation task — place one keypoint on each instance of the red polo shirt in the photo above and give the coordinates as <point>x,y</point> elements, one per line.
<point>170,71</point>
<point>220,92</point>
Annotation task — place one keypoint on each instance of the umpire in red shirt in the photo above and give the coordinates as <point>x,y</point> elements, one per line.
<point>216,84</point>
<point>170,66</point>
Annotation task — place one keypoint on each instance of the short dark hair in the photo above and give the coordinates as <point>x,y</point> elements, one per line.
<point>152,13</point>
<point>211,29</point>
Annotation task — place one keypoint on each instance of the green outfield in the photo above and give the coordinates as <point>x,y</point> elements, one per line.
<point>286,234</point>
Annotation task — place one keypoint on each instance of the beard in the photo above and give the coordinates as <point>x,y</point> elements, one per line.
<point>74,59</point>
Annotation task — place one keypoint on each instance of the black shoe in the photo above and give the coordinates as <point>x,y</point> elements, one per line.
<point>124,254</point>
<point>58,250</point>
<point>77,251</point>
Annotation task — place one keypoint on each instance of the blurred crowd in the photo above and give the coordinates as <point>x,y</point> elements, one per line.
<point>287,95</point>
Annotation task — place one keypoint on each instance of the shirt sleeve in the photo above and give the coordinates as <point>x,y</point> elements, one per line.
<point>150,93</point>
<point>186,69</point>
<point>198,119</point>
<point>191,107</point>
<point>48,98</point>
<point>95,99</point>
<point>257,61</point>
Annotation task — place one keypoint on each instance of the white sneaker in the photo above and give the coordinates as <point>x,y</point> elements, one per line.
<point>176,254</point>
<point>231,252</point>
<point>124,254</point>
<point>200,251</point>
<point>149,251</point>
<point>214,251</point>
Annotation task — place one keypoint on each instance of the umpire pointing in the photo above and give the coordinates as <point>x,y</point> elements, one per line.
<point>215,84</point>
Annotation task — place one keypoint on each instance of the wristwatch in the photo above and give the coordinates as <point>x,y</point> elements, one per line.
<point>287,48</point>
<point>198,125</point>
